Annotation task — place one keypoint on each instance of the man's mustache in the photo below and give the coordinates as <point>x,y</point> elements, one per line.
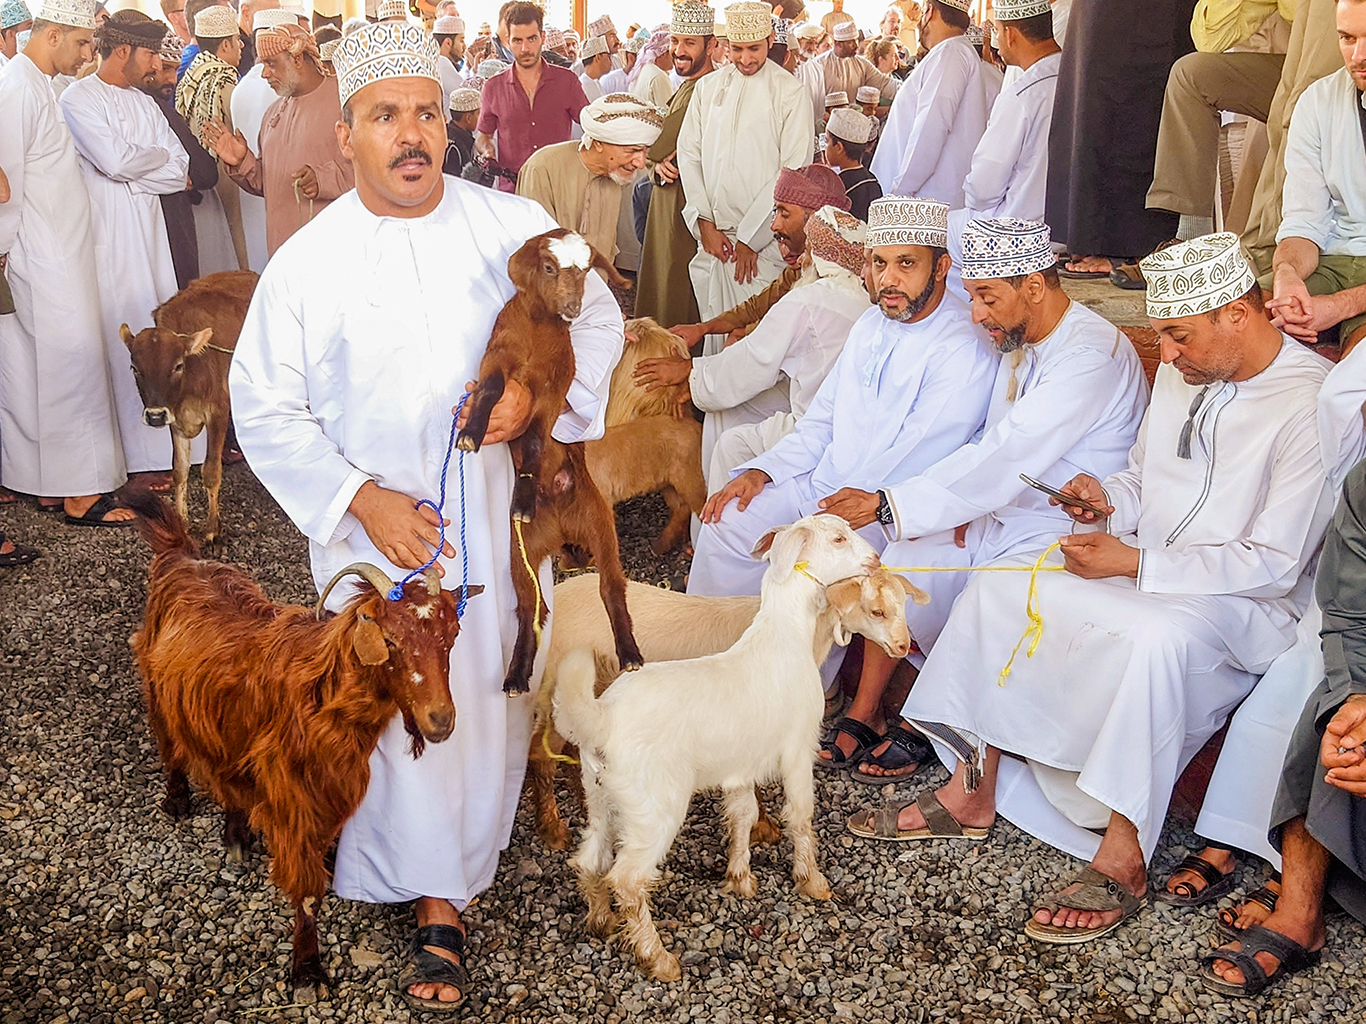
<point>887,293</point>
<point>411,153</point>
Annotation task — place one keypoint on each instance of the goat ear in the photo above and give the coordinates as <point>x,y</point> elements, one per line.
<point>761,546</point>
<point>126,335</point>
<point>522,266</point>
<point>198,341</point>
<point>908,588</point>
<point>368,640</point>
<point>786,549</point>
<point>473,590</point>
<point>843,597</point>
<point>601,262</point>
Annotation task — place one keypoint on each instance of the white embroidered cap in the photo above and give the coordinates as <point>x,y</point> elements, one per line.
<point>327,50</point>
<point>749,22</point>
<point>1197,276</point>
<point>465,100</point>
<point>272,18</point>
<point>489,67</point>
<point>848,125</point>
<point>1018,10</point>
<point>635,44</point>
<point>844,31</point>
<point>72,13</point>
<point>216,22</point>
<point>1005,247</point>
<point>554,38</point>
<point>902,220</point>
<point>599,28</point>
<point>389,49</point>
<point>297,8</point>
<point>836,99</point>
<point>392,10</point>
<point>692,19</point>
<point>867,94</point>
<point>780,30</point>
<point>595,46</point>
<point>448,25</point>
<point>962,5</point>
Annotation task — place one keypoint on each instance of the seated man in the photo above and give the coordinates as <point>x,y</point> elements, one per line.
<point>796,196</point>
<point>754,391</point>
<point>1069,396</point>
<point>910,386</point>
<point>1319,270</point>
<point>1319,819</point>
<point>1138,652</point>
<point>580,184</point>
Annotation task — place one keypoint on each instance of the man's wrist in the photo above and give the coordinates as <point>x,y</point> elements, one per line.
<point>884,510</point>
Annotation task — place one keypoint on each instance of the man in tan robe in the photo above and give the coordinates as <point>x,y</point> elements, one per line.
<point>663,289</point>
<point>300,168</point>
<point>580,184</point>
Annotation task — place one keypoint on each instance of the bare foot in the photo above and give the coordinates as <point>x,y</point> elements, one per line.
<point>971,810</point>
<point>1250,912</point>
<point>1309,934</point>
<point>158,481</point>
<point>1192,883</point>
<point>436,911</point>
<point>7,497</point>
<point>1091,264</point>
<point>77,507</point>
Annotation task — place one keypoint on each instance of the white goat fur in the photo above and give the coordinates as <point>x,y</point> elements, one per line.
<point>732,720</point>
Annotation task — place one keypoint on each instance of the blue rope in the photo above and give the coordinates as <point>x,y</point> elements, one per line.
<point>397,592</point>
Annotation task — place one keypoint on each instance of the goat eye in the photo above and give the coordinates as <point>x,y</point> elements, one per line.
<point>839,540</point>
<point>878,613</point>
<point>180,367</point>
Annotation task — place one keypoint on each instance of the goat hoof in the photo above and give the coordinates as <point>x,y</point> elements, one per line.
<point>516,687</point>
<point>176,805</point>
<point>665,968</point>
<point>629,664</point>
<point>309,980</point>
<point>554,835</point>
<point>815,887</point>
<point>466,442</point>
<point>745,886</point>
<point>602,925</point>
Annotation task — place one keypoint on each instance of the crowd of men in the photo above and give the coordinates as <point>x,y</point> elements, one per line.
<point>862,237</point>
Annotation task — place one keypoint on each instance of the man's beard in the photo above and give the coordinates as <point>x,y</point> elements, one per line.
<point>1013,340</point>
<point>685,66</point>
<point>914,306</point>
<point>622,175</point>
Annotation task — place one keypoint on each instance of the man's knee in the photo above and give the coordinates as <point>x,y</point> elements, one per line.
<point>1196,76</point>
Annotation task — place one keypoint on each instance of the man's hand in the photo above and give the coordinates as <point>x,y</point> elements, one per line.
<point>509,417</point>
<point>742,489</point>
<point>714,242</point>
<point>855,507</point>
<point>692,334</point>
<point>666,171</point>
<point>1346,732</point>
<point>1087,488</point>
<point>404,533</point>
<point>1096,556</point>
<point>665,372</point>
<point>960,535</point>
<point>483,146</point>
<point>1304,318</point>
<point>746,263</point>
<point>734,336</point>
<point>306,181</point>
<point>230,147</point>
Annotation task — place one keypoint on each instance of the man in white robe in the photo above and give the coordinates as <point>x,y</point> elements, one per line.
<point>843,69</point>
<point>910,386</point>
<point>1069,396</point>
<point>1117,683</point>
<point>343,385</point>
<point>939,115</point>
<point>747,121</point>
<point>59,437</point>
<point>449,33</point>
<point>129,156</point>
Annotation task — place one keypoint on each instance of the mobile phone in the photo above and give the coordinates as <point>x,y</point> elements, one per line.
<point>1066,499</point>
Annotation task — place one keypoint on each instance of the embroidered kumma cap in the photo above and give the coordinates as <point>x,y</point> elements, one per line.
<point>14,12</point>
<point>217,22</point>
<point>808,30</point>
<point>490,67</point>
<point>837,99</point>
<point>1197,276</point>
<point>554,38</point>
<point>172,49</point>
<point>848,125</point>
<point>72,13</point>
<point>598,29</point>
<point>845,31</point>
<point>448,25</point>
<point>465,100</point>
<point>690,19</point>
<point>262,20</point>
<point>836,236</point>
<point>962,5</point>
<point>596,46</point>
<point>1005,247</point>
<point>867,94</point>
<point>1018,10</point>
<point>392,9</point>
<point>328,50</point>
<point>389,49</point>
<point>902,220</point>
<point>749,22</point>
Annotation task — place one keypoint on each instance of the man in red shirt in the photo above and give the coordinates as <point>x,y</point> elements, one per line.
<point>534,104</point>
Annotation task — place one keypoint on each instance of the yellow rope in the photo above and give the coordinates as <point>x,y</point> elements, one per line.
<point>535,580</point>
<point>545,745</point>
<point>1034,631</point>
<point>299,203</point>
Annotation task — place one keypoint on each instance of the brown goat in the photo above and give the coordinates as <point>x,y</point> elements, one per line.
<point>656,454</point>
<point>181,367</point>
<point>627,400</point>
<point>531,345</point>
<point>276,711</point>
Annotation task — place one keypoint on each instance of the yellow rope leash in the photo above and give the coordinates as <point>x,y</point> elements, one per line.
<point>1034,631</point>
<point>535,581</point>
<point>545,745</point>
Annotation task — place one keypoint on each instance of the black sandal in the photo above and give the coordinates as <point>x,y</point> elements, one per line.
<point>864,738</point>
<point>426,968</point>
<point>1217,884</point>
<point>906,747</point>
<point>1227,926</point>
<point>94,515</point>
<point>21,555</point>
<point>1291,958</point>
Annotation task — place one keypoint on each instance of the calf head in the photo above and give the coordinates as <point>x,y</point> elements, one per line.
<point>407,642</point>
<point>821,546</point>
<point>552,267</point>
<point>874,606</point>
<point>159,368</point>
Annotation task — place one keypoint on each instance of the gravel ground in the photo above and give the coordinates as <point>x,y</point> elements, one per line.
<point>110,912</point>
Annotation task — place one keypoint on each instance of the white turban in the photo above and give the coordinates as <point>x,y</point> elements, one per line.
<point>620,119</point>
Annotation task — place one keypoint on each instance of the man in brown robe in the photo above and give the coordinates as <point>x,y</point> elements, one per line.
<point>664,290</point>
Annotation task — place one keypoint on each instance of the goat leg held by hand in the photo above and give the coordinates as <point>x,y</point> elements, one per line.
<point>481,402</point>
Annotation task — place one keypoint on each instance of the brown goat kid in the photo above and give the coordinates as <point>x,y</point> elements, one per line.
<point>656,454</point>
<point>531,345</point>
<point>276,711</point>
<point>181,367</point>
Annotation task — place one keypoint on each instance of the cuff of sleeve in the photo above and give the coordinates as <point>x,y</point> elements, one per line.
<point>337,522</point>
<point>576,423</point>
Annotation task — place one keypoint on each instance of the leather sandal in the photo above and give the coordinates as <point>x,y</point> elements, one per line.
<point>1097,893</point>
<point>1217,884</point>
<point>426,968</point>
<point>881,822</point>
<point>1226,925</point>
<point>1291,958</point>
<point>906,749</point>
<point>865,738</point>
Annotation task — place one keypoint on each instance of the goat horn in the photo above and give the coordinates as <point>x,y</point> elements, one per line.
<point>433,579</point>
<point>372,574</point>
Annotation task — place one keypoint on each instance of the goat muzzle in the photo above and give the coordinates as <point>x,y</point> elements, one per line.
<point>156,417</point>
<point>367,571</point>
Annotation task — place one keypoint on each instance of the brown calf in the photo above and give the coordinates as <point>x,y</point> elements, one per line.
<point>181,367</point>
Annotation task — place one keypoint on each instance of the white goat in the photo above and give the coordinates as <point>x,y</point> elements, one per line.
<point>669,626</point>
<point>730,720</point>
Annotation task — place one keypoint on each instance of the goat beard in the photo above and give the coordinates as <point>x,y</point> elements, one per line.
<point>914,306</point>
<point>417,743</point>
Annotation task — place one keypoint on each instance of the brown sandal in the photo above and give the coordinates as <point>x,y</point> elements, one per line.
<point>1097,893</point>
<point>1217,884</point>
<point>880,822</point>
<point>1227,925</point>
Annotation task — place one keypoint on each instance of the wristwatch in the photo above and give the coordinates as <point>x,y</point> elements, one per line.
<point>884,510</point>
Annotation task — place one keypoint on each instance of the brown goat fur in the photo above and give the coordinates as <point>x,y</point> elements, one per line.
<point>554,501</point>
<point>628,400</point>
<point>276,712</point>
<point>655,454</point>
<point>181,367</point>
